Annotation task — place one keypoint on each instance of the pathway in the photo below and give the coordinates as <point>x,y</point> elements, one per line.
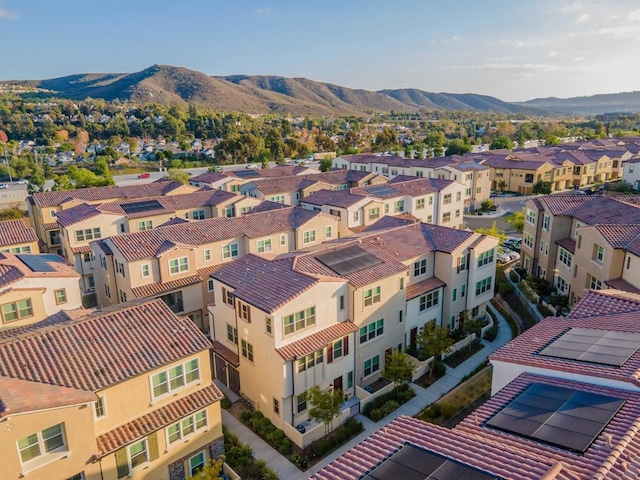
<point>423,398</point>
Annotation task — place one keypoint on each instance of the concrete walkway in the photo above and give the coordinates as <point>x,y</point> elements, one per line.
<point>424,397</point>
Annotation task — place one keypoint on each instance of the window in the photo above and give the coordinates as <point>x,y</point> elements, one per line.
<point>374,213</point>
<point>228,212</point>
<point>17,310</point>
<point>302,403</point>
<point>458,213</point>
<point>277,198</point>
<point>276,406</point>
<point>594,283</point>
<point>598,254</point>
<point>52,213</point>
<point>244,210</point>
<point>99,407</point>
<point>371,296</point>
<point>196,463</point>
<point>245,312</point>
<point>420,267</point>
<point>398,207</point>
<point>371,331</point>
<point>462,263</point>
<point>401,283</point>
<point>528,240</point>
<point>123,296</point>
<point>299,320</point>
<point>386,208</point>
<point>419,203</point>
<point>227,297</point>
<point>311,360</point>
<point>447,199</point>
<point>91,283</point>
<point>144,269</point>
<point>103,262</point>
<point>628,262</point>
<point>138,454</point>
<point>61,296</point>
<point>177,265</point>
<point>197,214</point>
<point>430,219</point>
<point>485,258</point>
<point>86,257</point>
<point>372,365</point>
<point>467,192</point>
<point>356,215</point>
<point>463,290</point>
<point>268,325</point>
<point>483,286</point>
<point>87,234</point>
<point>454,294</point>
<point>531,217</point>
<point>327,232</point>
<point>561,285</point>
<point>232,334</point>
<point>309,236</point>
<point>207,255</point>
<point>46,441</point>
<point>264,245</point>
<point>230,251</point>
<point>210,286</point>
<point>337,348</point>
<point>247,350</point>
<point>334,212</point>
<point>429,300</point>
<point>458,196</point>
<point>546,219</point>
<point>565,257</point>
<point>446,217</point>
<point>145,225</point>
<point>107,290</point>
<point>578,225</point>
<point>283,239</point>
<point>186,426</point>
<point>431,201</point>
<point>174,378</point>
<point>120,268</point>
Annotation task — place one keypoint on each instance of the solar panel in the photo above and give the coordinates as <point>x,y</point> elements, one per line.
<point>349,260</point>
<point>411,462</point>
<point>557,416</point>
<point>246,173</point>
<point>594,346</point>
<point>144,206</point>
<point>40,263</point>
<point>382,191</point>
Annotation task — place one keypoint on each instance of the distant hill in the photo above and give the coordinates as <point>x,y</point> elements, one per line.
<point>267,94</point>
<point>595,104</point>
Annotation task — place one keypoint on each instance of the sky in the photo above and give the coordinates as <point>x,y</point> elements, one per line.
<point>514,50</point>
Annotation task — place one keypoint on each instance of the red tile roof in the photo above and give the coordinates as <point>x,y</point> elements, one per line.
<point>569,244</point>
<point>593,209</point>
<point>316,340</point>
<point>334,198</point>
<point>603,302</point>
<point>9,274</point>
<point>414,187</point>
<point>225,353</point>
<point>151,289</point>
<point>13,232</point>
<point>619,236</point>
<point>424,286</point>
<point>620,284</point>
<point>103,348</point>
<point>160,418</point>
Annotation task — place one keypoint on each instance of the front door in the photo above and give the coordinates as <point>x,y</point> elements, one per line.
<point>412,338</point>
<point>337,383</point>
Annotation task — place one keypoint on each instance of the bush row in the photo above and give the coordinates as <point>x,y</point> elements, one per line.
<point>263,427</point>
<point>382,406</point>
<point>318,449</point>
<point>239,456</point>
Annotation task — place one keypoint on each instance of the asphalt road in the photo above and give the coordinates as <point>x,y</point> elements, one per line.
<point>510,204</point>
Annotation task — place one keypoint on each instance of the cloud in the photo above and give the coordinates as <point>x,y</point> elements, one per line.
<point>263,11</point>
<point>634,16</point>
<point>552,54</point>
<point>623,31</point>
<point>583,18</point>
<point>7,14</point>
<point>531,67</point>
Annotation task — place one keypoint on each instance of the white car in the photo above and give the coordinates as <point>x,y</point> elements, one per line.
<point>4,185</point>
<point>512,255</point>
<point>22,182</point>
<point>503,258</point>
<point>251,165</point>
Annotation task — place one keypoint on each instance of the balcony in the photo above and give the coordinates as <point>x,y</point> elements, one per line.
<point>308,431</point>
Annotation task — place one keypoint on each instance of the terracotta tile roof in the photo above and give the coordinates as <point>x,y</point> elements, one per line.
<point>81,249</point>
<point>205,272</point>
<point>103,246</point>
<point>151,289</point>
<point>76,214</point>
<point>225,353</point>
<point>146,244</point>
<point>613,455</point>
<point>563,204</point>
<point>602,302</point>
<point>175,221</point>
<point>20,396</point>
<point>593,209</point>
<point>14,267</point>
<point>10,274</point>
<point>209,177</point>
<point>417,289</point>
<point>388,222</point>
<point>569,244</point>
<point>413,187</point>
<point>619,236</point>
<point>55,198</point>
<point>266,206</point>
<point>15,231</point>
<point>334,198</point>
<point>103,348</point>
<point>58,317</point>
<point>51,226</point>
<point>620,284</point>
<point>316,340</point>
<point>271,186</point>
<point>160,418</point>
<point>265,284</point>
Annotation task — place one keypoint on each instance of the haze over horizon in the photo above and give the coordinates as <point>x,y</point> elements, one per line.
<point>512,51</point>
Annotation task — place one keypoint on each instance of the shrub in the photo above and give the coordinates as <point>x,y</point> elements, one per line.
<point>262,426</point>
<point>385,404</point>
<point>491,334</point>
<point>349,429</point>
<point>545,311</point>
<point>513,276</point>
<point>225,403</point>
<point>506,289</point>
<point>285,445</point>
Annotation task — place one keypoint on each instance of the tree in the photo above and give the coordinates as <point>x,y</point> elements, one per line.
<point>325,405</point>
<point>501,143</point>
<point>516,220</point>
<point>11,213</point>
<point>61,182</point>
<point>178,175</point>
<point>398,369</point>
<point>542,187</point>
<point>324,143</point>
<point>494,231</point>
<point>501,185</point>
<point>470,325</point>
<point>212,470</point>
<point>435,341</point>
<point>325,164</point>
<point>386,140</point>
<point>457,147</point>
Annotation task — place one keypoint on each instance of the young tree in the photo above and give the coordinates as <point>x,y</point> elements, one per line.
<point>494,231</point>
<point>178,175</point>
<point>542,187</point>
<point>325,164</point>
<point>457,147</point>
<point>516,220</point>
<point>212,470</point>
<point>501,185</point>
<point>470,325</point>
<point>435,341</point>
<point>399,369</point>
<point>501,143</point>
<point>325,405</point>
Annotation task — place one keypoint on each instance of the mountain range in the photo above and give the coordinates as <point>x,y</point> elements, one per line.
<point>300,96</point>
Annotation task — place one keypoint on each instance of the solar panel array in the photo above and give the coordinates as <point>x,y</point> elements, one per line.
<point>349,260</point>
<point>557,416</point>
<point>594,346</point>
<point>40,263</point>
<point>246,173</point>
<point>382,191</point>
<point>145,206</point>
<point>414,463</point>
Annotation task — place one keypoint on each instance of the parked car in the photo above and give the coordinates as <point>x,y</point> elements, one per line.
<point>512,255</point>
<point>144,175</point>
<point>22,182</point>
<point>503,257</point>
<point>252,166</point>
<point>4,185</point>
<point>513,243</point>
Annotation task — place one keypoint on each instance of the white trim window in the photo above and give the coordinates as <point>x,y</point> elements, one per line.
<point>197,463</point>
<point>230,251</point>
<point>178,265</point>
<point>531,216</point>
<point>207,254</point>
<point>546,220</point>
<point>138,454</point>
<point>197,215</point>
<point>483,286</point>
<point>371,366</point>
<point>429,300</point>
<point>145,225</point>
<point>47,441</point>
<point>309,236</point>
<point>145,270</point>
<point>372,296</point>
<point>371,331</point>
<point>186,427</point>
<point>299,321</point>
<point>174,378</point>
<point>565,257</point>
<point>485,258</point>
<point>100,407</point>
<point>263,245</point>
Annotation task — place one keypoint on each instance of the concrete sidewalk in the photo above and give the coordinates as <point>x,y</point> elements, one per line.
<point>424,397</point>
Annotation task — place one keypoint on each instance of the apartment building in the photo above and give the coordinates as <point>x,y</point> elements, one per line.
<point>83,223</point>
<point>330,316</point>
<point>581,242</point>
<point>102,402</point>
<point>562,408</point>
<point>174,262</point>
<point>631,173</point>
<point>43,207</point>
<point>16,237</point>
<point>35,286</point>
<point>232,180</point>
